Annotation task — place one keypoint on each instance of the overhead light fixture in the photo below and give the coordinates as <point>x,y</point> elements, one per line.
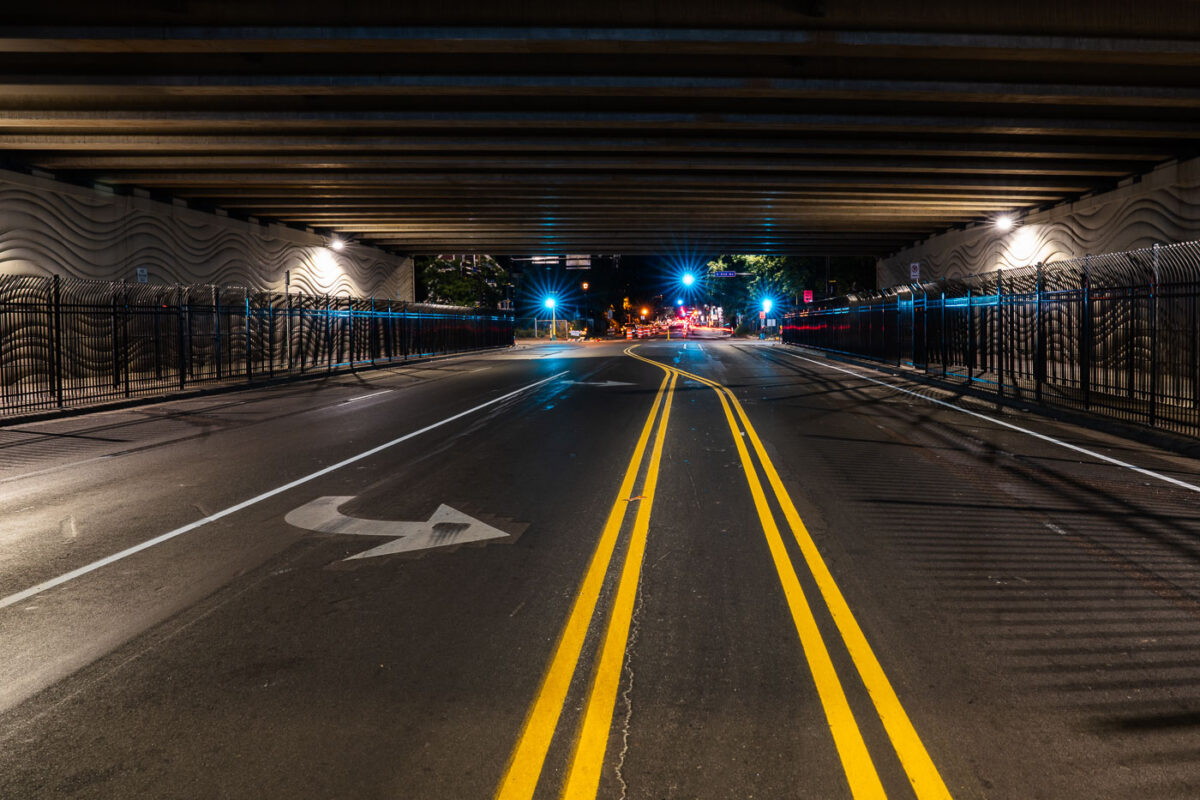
<point>1004,223</point>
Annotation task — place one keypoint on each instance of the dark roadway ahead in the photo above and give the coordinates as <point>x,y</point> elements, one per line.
<point>731,570</point>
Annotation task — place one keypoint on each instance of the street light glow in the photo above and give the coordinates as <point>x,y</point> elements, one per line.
<point>549,302</point>
<point>678,302</point>
<point>767,306</point>
<point>688,279</point>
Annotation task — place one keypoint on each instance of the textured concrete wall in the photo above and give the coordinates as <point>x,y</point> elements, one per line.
<point>1163,207</point>
<point>48,227</point>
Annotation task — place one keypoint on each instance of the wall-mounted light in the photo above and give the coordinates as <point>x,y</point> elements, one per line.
<point>1004,223</point>
<point>336,243</point>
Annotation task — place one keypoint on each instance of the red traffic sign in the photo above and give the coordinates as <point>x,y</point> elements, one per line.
<point>808,295</point>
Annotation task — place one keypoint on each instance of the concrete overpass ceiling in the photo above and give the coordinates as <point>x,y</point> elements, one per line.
<point>788,126</point>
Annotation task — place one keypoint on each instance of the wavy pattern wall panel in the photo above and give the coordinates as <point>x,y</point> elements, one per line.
<point>48,227</point>
<point>1164,207</point>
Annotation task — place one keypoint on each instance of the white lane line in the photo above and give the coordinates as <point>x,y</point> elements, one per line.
<point>95,565</point>
<point>1149,473</point>
<point>365,396</point>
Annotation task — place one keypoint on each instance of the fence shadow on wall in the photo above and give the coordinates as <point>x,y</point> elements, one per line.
<point>1115,335</point>
<point>67,342</point>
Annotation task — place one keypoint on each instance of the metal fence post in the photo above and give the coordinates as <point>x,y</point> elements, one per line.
<point>1085,335</point>
<point>329,336</point>
<point>216,298</point>
<point>1000,332</point>
<point>1039,364</point>
<point>970,338</point>
<point>287,322</point>
<point>942,332</point>
<point>56,335</point>
<point>270,334</point>
<point>249,343</point>
<point>1154,341</point>
<point>924,325</point>
<point>158,367</point>
<point>350,348</point>
<point>125,334</point>
<point>182,354</point>
<point>116,349</point>
<point>389,336</point>
<point>300,331</point>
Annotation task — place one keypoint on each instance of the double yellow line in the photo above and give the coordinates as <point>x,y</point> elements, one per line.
<point>583,775</point>
<point>860,770</point>
<point>583,778</point>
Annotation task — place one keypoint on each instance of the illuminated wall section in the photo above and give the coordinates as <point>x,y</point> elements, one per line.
<point>1162,207</point>
<point>48,227</point>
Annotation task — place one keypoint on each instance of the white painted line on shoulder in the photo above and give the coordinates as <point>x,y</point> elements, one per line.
<point>365,396</point>
<point>137,548</point>
<point>1149,473</point>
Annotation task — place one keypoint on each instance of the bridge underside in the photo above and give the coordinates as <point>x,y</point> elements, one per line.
<point>787,127</point>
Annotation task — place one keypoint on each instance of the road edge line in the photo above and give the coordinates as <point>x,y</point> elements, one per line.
<point>37,589</point>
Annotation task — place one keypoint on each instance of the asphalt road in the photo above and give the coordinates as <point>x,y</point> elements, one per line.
<point>697,569</point>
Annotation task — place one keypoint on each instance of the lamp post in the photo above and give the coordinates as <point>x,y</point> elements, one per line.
<point>587,309</point>
<point>766,309</point>
<point>553,319</point>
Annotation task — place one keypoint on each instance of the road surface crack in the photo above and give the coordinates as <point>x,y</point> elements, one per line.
<point>634,628</point>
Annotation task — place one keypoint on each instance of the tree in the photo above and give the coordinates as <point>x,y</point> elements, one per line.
<point>478,282</point>
<point>781,278</point>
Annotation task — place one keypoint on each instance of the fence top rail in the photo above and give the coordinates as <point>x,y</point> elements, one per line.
<point>1160,265</point>
<point>86,291</point>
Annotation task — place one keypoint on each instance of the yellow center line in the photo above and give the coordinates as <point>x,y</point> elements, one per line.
<point>922,773</point>
<point>860,771</point>
<point>525,765</point>
<point>587,761</point>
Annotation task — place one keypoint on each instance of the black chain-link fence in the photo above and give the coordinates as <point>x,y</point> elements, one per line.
<point>67,342</point>
<point>1116,335</point>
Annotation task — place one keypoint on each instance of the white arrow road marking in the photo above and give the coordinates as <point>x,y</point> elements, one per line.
<point>25,594</point>
<point>446,527</point>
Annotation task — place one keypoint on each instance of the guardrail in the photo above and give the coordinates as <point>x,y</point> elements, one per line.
<point>67,342</point>
<point>1115,335</point>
